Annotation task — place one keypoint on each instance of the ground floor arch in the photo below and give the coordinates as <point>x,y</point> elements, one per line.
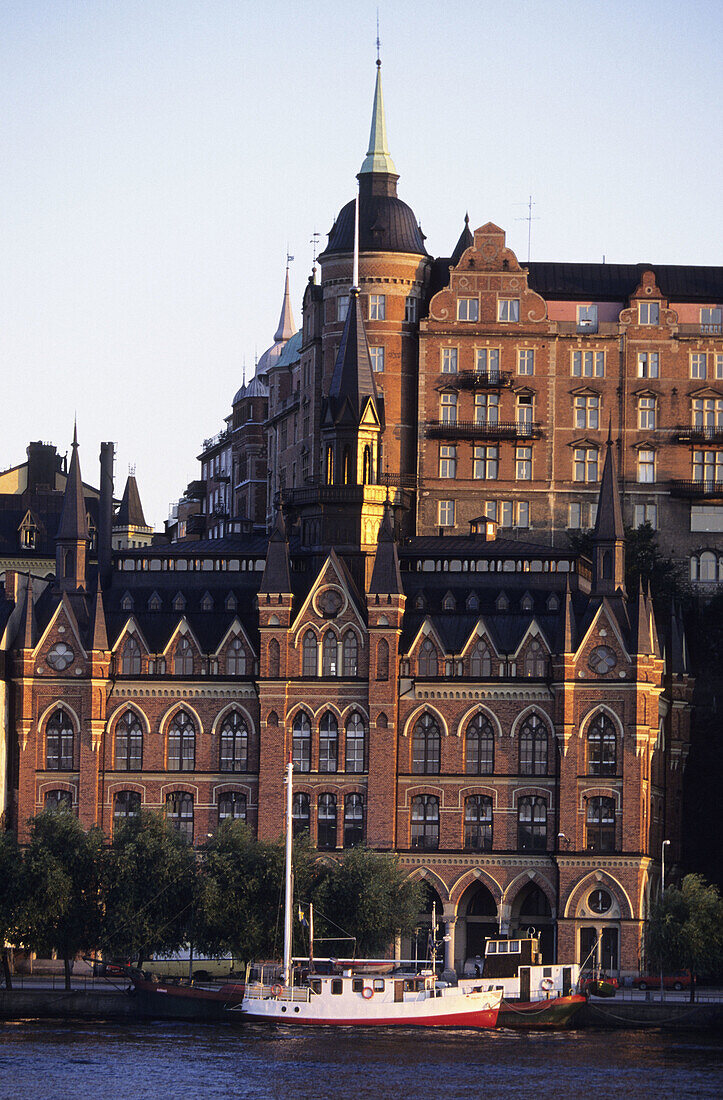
<point>531,909</point>
<point>477,920</point>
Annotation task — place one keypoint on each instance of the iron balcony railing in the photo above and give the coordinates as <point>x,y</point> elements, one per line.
<point>699,433</point>
<point>695,488</point>
<point>483,429</point>
<point>476,379</point>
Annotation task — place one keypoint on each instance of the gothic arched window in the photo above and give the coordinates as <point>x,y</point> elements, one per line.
<point>535,660</point>
<point>350,650</point>
<point>326,821</point>
<point>131,659</point>
<point>328,743</point>
<point>234,744</point>
<point>533,746</point>
<point>128,743</point>
<point>59,742</point>
<point>532,824</point>
<point>355,743</point>
<point>58,800</point>
<point>353,820</point>
<point>478,823</point>
<point>600,824</point>
<point>480,661</point>
<point>300,815</point>
<point>480,746</point>
<point>425,821</point>
<point>183,658</point>
<point>301,742</point>
<point>602,746</point>
<point>179,812</point>
<point>309,654</point>
<point>275,659</point>
<point>231,806</point>
<point>181,743</point>
<point>426,743</point>
<point>383,659</point>
<point>126,804</point>
<point>236,659</point>
<point>329,651</point>
<point>428,663</point>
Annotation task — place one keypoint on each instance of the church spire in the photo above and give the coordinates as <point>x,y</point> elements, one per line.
<point>286,328</point>
<point>72,537</point>
<point>378,160</point>
<point>608,537</point>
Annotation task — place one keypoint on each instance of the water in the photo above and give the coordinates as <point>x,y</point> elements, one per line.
<point>46,1060</point>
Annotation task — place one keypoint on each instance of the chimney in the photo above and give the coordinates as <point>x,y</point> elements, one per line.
<point>105,516</point>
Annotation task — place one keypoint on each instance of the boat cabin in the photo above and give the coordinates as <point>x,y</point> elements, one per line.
<point>514,966</point>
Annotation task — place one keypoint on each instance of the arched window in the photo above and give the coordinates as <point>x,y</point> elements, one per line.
<point>367,466</point>
<point>131,660</point>
<point>383,659</point>
<point>300,813</point>
<point>236,659</point>
<point>535,660</point>
<point>275,659</point>
<point>301,742</point>
<point>59,742</point>
<point>234,744</point>
<point>179,812</point>
<point>181,743</point>
<point>480,661</point>
<point>326,821</point>
<point>346,466</point>
<point>425,821</point>
<point>600,821</point>
<point>426,742</point>
<point>126,804</point>
<point>328,743</point>
<point>350,650</point>
<point>355,743</point>
<point>309,651</point>
<point>128,743</point>
<point>532,824</point>
<point>329,665</point>
<point>478,823</point>
<point>231,806</point>
<point>58,800</point>
<point>329,466</point>
<point>602,747</point>
<point>353,820</point>
<point>480,746</point>
<point>183,658</point>
<point>533,746</point>
<point>428,663</point>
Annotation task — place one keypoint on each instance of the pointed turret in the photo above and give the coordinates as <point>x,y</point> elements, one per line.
<point>29,631</point>
<point>378,160</point>
<point>286,328</point>
<point>99,634</point>
<point>609,534</point>
<point>568,629</point>
<point>466,240</point>
<point>277,574</point>
<point>352,382</point>
<point>386,578</point>
<point>642,639</point>
<point>130,513</point>
<point>72,536</point>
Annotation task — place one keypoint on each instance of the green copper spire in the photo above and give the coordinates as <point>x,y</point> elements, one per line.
<point>377,158</point>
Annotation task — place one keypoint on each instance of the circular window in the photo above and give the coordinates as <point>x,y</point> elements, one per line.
<point>600,901</point>
<point>60,656</point>
<point>602,659</point>
<point>329,603</point>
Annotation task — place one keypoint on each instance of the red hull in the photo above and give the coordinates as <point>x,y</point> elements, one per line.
<point>230,993</point>
<point>486,1018</point>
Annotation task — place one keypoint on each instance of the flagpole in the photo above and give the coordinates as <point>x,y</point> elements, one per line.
<point>288,915</point>
<point>311,937</point>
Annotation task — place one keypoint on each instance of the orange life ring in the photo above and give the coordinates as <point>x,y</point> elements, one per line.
<point>547,983</point>
<point>276,990</point>
<point>367,992</point>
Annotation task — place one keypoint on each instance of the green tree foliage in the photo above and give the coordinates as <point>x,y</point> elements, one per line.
<point>644,561</point>
<point>62,886</point>
<point>685,929</point>
<point>12,897</point>
<point>149,889</point>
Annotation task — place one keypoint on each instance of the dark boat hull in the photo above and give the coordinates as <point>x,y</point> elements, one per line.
<point>178,1002</point>
<point>555,1013</point>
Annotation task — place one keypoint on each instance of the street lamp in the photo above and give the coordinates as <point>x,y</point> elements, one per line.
<point>663,846</point>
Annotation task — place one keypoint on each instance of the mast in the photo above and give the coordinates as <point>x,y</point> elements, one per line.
<point>287,892</point>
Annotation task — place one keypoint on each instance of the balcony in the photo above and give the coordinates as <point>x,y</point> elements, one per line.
<point>471,429</point>
<point>398,481</point>
<point>713,329</point>
<point>474,380</point>
<point>322,494</point>
<point>709,489</point>
<point>699,433</point>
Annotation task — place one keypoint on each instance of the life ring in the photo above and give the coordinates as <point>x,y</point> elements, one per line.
<point>367,992</point>
<point>547,983</point>
<point>276,990</point>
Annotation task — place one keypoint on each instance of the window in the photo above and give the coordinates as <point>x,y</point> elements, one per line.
<point>524,415</point>
<point>355,744</point>
<point>342,307</point>
<point>131,660</point>
<point>508,309</point>
<point>236,659</point>
<point>523,463</point>
<point>410,310</point>
<point>58,800</point>
<point>376,354</point>
<point>300,814</point>
<point>487,361</point>
<point>478,823</point>
<point>645,513</point>
<point>586,411</point>
<point>648,364</point>
<point>183,658</point>
<point>428,663</point>
<point>706,517</point>
<point>449,360</point>
<point>505,512</point>
<point>486,463</point>
<point>179,812</point>
<point>425,822</point>
<point>181,743</point>
<point>480,661</point>
<point>708,465</point>
<point>128,743</point>
<point>588,364</point>
<point>467,309</point>
<point>446,513</point>
<point>448,461</point>
<point>523,513</point>
<point>646,466</point>
<point>232,806</point>
<point>535,663</point>
<point>525,361</point>
<point>706,569</point>
<point>648,313</point>
<point>600,823</point>
<point>328,743</point>
<point>710,319</point>
<point>587,318</point>
<point>301,742</point>
<point>581,515</point>
<point>533,746</point>
<point>699,365</point>
<point>532,824</point>
<point>126,804</point>
<point>486,408</point>
<point>309,654</point>
<point>383,660</point>
<point>326,821</point>
<point>426,742</point>
<point>707,412</point>
<point>329,654</point>
<point>646,413</point>
<point>480,746</point>
<point>719,366</point>
<point>353,820</point>
<point>377,307</point>
<point>585,464</point>
<point>59,742</point>
<point>234,744</point>
<point>448,408</point>
<point>275,658</point>
<point>601,747</point>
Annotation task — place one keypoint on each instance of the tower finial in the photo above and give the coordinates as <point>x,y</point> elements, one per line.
<point>355,269</point>
<point>378,160</point>
<point>379,45</point>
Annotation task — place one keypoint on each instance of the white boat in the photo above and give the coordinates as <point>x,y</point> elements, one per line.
<point>361,999</point>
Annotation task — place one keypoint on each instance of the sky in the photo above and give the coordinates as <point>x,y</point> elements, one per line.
<point>160,157</point>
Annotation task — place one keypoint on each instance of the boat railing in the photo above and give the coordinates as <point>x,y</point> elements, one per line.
<point>297,994</point>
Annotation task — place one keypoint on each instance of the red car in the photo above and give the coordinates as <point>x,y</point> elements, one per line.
<point>679,979</point>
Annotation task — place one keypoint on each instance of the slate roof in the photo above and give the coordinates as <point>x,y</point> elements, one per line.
<point>386,224</point>
<point>130,513</point>
<point>353,379</point>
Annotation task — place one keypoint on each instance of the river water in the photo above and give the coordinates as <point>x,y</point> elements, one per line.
<point>47,1060</point>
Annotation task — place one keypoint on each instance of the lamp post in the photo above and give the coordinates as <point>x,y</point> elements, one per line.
<point>663,846</point>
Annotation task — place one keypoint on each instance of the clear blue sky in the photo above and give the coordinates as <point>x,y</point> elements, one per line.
<point>159,155</point>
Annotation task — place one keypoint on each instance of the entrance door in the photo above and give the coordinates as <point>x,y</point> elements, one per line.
<point>588,942</point>
<point>609,949</point>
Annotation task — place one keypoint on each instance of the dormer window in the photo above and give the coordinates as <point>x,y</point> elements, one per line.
<point>231,602</point>
<point>710,319</point>
<point>502,603</point>
<point>154,603</point>
<point>127,602</point>
<point>649,313</point>
<point>28,533</point>
<point>179,602</point>
<point>449,603</point>
<point>207,602</point>
<point>587,318</point>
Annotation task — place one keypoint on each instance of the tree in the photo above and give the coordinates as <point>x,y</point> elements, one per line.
<point>62,886</point>
<point>685,930</point>
<point>149,888</point>
<point>11,898</point>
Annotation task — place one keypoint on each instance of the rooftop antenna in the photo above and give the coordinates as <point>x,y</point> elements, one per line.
<point>529,218</point>
<point>355,272</point>
<point>131,469</point>
<point>314,242</point>
<point>243,369</point>
<point>379,45</point>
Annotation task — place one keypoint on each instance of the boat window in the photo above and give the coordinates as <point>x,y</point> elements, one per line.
<point>492,948</point>
<point>547,971</point>
<point>316,985</point>
<point>357,985</point>
<point>502,948</point>
<point>336,986</point>
<point>514,946</point>
<point>379,985</point>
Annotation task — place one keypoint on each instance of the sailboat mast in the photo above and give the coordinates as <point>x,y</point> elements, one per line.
<point>311,937</point>
<point>287,885</point>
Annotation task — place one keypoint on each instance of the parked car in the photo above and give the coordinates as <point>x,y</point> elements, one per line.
<point>679,979</point>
